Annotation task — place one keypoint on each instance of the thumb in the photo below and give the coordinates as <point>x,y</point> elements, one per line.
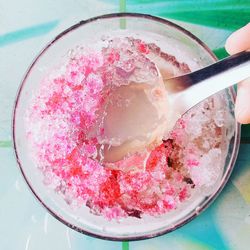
<point>239,41</point>
<point>242,105</point>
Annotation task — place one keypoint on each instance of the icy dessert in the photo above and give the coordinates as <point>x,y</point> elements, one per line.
<point>79,114</point>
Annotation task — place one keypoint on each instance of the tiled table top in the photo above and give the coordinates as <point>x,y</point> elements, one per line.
<point>25,27</point>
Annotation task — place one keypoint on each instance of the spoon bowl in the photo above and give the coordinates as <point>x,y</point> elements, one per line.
<point>181,94</point>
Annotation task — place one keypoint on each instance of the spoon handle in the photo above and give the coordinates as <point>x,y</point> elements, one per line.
<point>194,87</point>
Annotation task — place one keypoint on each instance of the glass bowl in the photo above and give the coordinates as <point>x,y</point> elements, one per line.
<point>82,220</point>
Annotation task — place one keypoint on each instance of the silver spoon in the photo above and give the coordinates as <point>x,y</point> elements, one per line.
<point>184,92</point>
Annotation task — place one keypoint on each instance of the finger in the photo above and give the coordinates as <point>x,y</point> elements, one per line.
<point>242,105</point>
<point>239,40</point>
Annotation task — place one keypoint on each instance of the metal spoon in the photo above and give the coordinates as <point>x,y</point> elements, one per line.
<point>184,92</point>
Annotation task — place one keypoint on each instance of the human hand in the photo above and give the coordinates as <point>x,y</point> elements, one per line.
<point>240,41</point>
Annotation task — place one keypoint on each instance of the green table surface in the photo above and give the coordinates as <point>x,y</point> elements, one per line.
<point>25,27</point>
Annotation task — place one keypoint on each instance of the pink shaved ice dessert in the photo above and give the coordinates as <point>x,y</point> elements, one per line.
<point>66,133</point>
